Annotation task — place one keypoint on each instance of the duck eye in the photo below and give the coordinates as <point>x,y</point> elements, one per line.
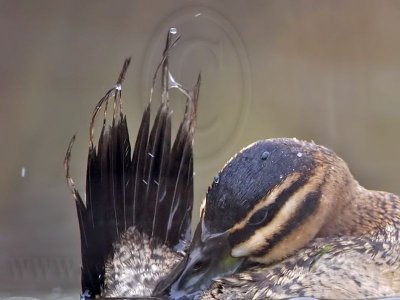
<point>198,266</point>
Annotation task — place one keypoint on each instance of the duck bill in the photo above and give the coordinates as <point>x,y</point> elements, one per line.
<point>209,257</point>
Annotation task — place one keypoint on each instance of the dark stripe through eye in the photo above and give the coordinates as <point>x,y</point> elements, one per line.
<point>307,208</point>
<point>265,215</point>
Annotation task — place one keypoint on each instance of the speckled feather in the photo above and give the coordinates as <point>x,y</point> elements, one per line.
<point>138,205</point>
<point>356,254</point>
<point>137,264</point>
<point>129,241</point>
<point>328,268</point>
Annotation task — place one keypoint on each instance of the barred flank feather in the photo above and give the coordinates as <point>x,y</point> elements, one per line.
<point>151,189</point>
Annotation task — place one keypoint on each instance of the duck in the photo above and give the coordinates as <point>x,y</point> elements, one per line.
<point>283,218</point>
<point>296,223</point>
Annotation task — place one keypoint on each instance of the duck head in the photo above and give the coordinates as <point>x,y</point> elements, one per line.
<point>267,202</point>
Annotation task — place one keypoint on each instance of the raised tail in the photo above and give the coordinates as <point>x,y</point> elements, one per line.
<point>150,189</point>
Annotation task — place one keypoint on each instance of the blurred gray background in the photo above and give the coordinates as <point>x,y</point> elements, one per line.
<point>327,71</point>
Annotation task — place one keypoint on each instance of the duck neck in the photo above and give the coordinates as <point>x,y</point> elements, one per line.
<point>358,211</point>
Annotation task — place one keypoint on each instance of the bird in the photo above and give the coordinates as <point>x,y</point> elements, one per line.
<point>295,223</point>
<point>283,218</point>
<point>135,223</point>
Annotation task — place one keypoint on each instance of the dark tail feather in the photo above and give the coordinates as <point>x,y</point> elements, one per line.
<point>151,189</point>
<point>135,202</point>
<point>101,220</point>
<point>157,156</point>
<point>178,201</point>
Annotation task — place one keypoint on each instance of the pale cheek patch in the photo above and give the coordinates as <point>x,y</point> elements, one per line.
<point>258,240</point>
<point>245,249</point>
<point>295,239</point>
<point>262,235</point>
<point>269,199</point>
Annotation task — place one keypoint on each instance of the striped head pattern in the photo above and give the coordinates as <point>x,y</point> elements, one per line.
<point>268,201</point>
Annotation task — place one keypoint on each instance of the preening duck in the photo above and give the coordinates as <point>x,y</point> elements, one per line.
<point>286,218</point>
<point>283,218</point>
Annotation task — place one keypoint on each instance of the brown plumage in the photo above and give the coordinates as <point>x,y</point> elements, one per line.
<point>348,247</point>
<point>137,264</point>
<point>355,252</point>
<point>295,221</point>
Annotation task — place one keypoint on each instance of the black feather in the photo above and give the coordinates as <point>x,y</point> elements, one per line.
<point>156,157</point>
<point>151,189</point>
<point>138,164</point>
